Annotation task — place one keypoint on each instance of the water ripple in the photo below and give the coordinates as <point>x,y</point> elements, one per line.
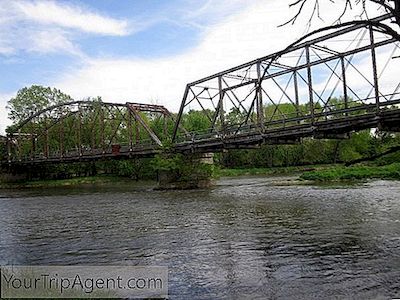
<point>247,238</point>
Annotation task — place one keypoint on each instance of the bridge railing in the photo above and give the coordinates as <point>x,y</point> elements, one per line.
<point>329,113</point>
<point>87,153</point>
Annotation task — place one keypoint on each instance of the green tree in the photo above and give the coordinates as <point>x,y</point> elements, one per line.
<point>359,145</point>
<point>196,120</point>
<point>30,100</point>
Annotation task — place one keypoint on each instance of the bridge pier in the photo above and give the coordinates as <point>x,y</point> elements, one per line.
<point>189,171</point>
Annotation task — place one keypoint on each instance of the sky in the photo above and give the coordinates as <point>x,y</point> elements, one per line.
<point>138,50</point>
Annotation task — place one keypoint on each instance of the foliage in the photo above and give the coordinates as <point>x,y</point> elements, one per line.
<point>76,181</point>
<point>182,168</point>
<point>167,162</point>
<point>311,151</point>
<point>197,121</point>
<point>391,171</point>
<point>30,100</point>
<point>264,171</point>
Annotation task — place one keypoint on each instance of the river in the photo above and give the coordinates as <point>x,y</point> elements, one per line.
<point>245,238</point>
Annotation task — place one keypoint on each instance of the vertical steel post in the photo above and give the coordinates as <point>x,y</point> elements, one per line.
<point>374,67</point>
<point>93,134</point>
<point>221,104</point>
<point>260,109</point>
<point>296,93</point>
<point>46,139</point>
<point>346,99</point>
<point>137,133</point>
<point>9,147</point>
<point>79,131</point>
<point>310,89</point>
<point>165,128</point>
<point>178,119</point>
<point>102,129</point>
<point>62,138</point>
<point>130,129</point>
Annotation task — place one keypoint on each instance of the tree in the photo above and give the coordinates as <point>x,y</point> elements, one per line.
<point>30,100</point>
<point>389,6</point>
<point>197,121</point>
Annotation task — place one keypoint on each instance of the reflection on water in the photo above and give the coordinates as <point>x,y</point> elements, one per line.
<point>247,238</point>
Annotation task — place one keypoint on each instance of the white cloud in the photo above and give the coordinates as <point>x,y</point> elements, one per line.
<point>53,41</point>
<point>194,12</point>
<point>243,36</point>
<point>68,16</point>
<point>45,26</point>
<point>5,49</point>
<point>37,40</point>
<point>250,33</point>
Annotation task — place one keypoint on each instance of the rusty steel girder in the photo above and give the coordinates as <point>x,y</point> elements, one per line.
<point>84,130</point>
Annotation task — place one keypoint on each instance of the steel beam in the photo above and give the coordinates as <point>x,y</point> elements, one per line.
<point>374,68</point>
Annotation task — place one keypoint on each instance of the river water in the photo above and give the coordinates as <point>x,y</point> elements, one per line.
<point>245,238</point>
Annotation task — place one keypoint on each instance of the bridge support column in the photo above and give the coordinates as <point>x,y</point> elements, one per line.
<point>189,171</point>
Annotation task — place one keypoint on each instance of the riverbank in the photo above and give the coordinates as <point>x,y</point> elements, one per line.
<point>318,173</point>
<point>98,180</point>
<point>295,170</point>
<point>360,172</point>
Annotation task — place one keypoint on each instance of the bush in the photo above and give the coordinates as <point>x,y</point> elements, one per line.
<point>357,172</point>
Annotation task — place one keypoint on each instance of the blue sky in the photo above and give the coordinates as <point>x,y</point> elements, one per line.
<point>144,29</point>
<point>137,50</point>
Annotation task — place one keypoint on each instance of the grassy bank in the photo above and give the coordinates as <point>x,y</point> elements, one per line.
<point>268,171</point>
<point>78,181</point>
<point>321,173</point>
<point>391,171</point>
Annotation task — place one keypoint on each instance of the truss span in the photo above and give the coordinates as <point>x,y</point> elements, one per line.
<point>87,130</point>
<point>331,76</point>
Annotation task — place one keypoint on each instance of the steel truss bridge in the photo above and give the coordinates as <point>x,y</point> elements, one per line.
<point>325,86</point>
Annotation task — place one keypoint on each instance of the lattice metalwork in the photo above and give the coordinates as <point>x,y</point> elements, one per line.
<point>82,130</point>
<point>346,72</point>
